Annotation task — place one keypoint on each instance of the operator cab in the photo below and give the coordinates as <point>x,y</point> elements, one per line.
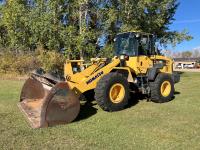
<point>134,44</point>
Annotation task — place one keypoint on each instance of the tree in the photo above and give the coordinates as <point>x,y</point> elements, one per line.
<point>186,54</point>
<point>196,53</point>
<point>13,24</point>
<point>151,16</point>
<point>76,26</point>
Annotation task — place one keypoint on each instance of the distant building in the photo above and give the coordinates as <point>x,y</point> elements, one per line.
<point>184,63</point>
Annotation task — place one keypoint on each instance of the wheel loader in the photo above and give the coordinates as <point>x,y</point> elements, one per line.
<point>47,100</point>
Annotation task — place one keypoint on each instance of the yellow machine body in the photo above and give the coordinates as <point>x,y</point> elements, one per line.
<point>134,66</point>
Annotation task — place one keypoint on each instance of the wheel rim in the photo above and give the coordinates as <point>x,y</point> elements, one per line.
<point>117,93</point>
<point>165,88</point>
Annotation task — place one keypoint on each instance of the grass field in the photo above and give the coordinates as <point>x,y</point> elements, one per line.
<point>144,125</point>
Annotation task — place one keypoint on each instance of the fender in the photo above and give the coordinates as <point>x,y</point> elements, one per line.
<point>152,72</point>
<point>126,70</point>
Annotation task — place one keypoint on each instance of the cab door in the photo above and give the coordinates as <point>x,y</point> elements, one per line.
<point>144,61</point>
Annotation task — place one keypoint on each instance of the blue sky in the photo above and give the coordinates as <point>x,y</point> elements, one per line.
<point>188,17</point>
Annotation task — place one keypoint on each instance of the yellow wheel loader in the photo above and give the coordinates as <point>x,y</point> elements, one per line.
<point>47,100</point>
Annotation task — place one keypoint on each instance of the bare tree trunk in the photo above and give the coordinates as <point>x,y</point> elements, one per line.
<point>82,21</point>
<point>80,29</point>
<point>127,11</point>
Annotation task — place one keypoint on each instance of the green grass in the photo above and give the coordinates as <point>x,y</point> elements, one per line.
<point>146,125</point>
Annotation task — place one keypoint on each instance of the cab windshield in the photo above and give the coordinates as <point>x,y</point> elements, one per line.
<point>126,44</point>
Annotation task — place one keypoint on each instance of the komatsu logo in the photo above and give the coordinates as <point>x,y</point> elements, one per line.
<point>95,77</point>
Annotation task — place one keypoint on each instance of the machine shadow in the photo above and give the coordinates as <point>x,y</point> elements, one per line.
<point>180,72</point>
<point>174,97</point>
<point>134,99</point>
<point>86,111</point>
<point>87,108</point>
<point>177,93</point>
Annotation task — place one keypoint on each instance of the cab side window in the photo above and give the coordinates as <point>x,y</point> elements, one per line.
<point>143,48</point>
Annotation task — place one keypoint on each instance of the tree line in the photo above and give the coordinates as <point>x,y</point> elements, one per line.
<point>195,53</point>
<point>83,28</point>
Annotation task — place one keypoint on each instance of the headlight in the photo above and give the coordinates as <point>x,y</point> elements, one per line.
<point>122,57</point>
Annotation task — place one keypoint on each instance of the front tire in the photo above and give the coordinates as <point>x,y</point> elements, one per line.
<point>162,89</point>
<point>112,92</point>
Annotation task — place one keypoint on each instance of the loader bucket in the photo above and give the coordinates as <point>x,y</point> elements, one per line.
<point>47,105</point>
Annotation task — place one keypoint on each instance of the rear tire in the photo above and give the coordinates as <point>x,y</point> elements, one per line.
<point>112,92</point>
<point>162,89</point>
